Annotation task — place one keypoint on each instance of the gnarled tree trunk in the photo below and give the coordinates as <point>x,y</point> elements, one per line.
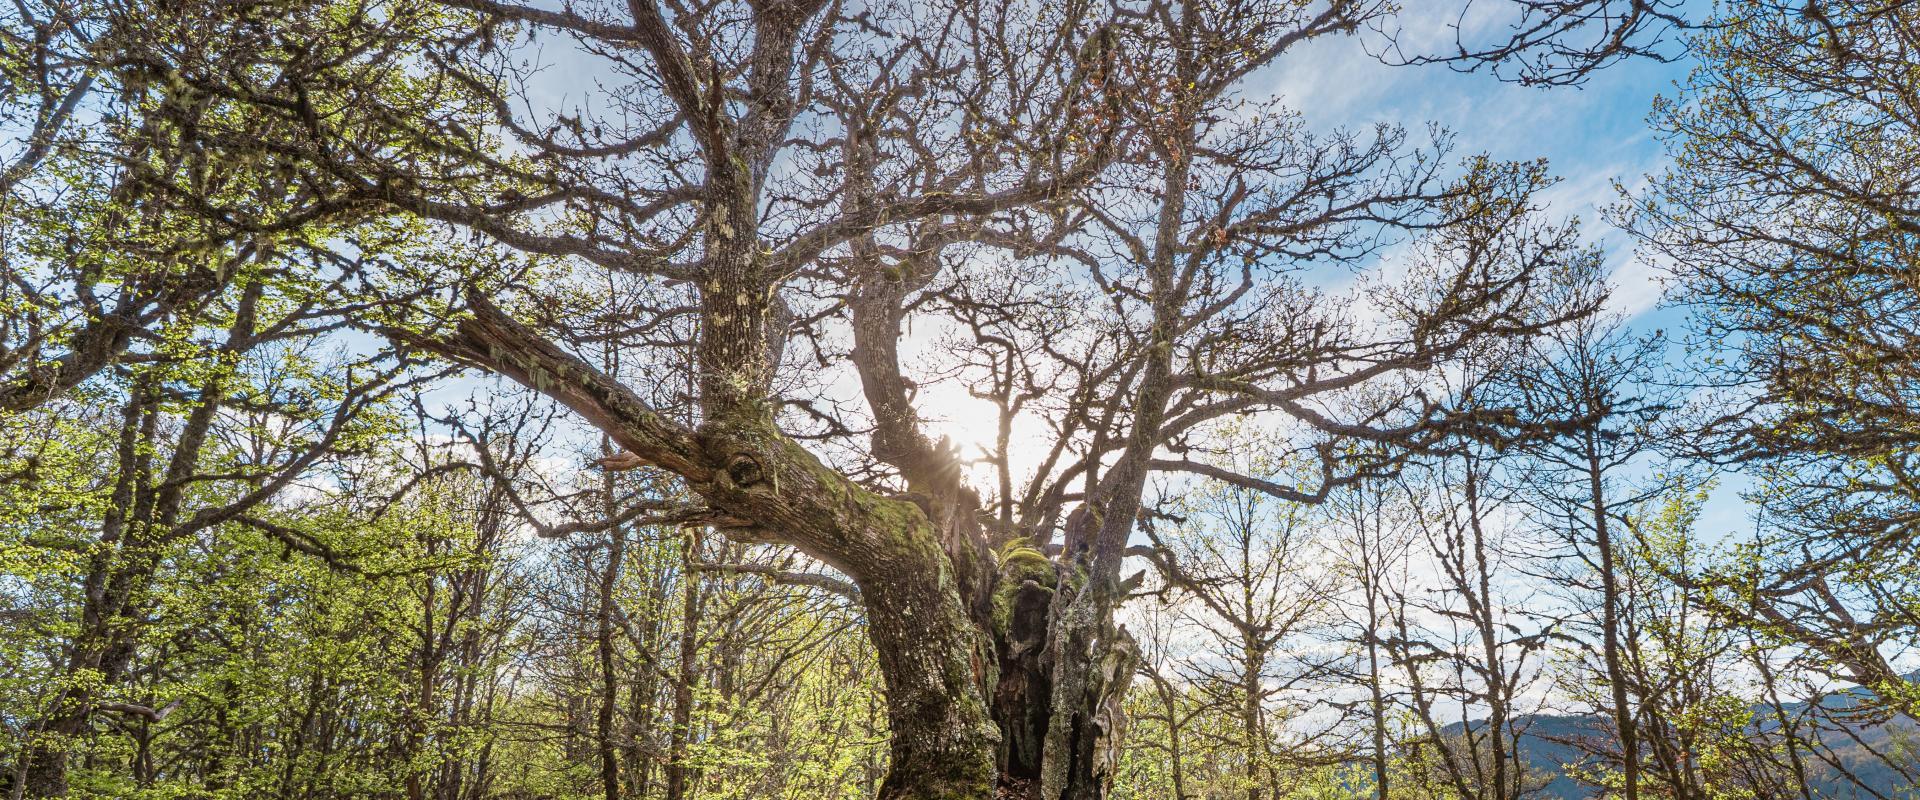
<point>969,643</point>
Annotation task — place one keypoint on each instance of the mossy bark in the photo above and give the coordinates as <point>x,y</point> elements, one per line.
<point>935,658</point>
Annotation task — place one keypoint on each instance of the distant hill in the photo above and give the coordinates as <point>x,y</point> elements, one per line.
<point>1550,743</point>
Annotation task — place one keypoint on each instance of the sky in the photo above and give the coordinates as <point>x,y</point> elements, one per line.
<point>1596,137</point>
<point>1591,135</point>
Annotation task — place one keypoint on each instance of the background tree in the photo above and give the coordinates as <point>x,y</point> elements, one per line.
<point>1371,542</point>
<point>1576,483</point>
<point>1789,222</point>
<point>198,443</point>
<point>1469,642</point>
<point>1242,573</point>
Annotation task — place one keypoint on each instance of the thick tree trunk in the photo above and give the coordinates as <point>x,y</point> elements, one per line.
<point>970,649</point>
<point>940,747</point>
<point>934,662</point>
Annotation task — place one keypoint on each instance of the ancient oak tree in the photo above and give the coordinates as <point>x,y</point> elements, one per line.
<point>1118,242</point>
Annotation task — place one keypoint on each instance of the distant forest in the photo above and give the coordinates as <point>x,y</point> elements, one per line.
<point>959,400</point>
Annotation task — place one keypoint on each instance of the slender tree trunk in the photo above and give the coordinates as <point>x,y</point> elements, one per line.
<point>1610,628</point>
<point>1376,696</point>
<point>1250,726</point>
<point>688,675</point>
<point>641,694</point>
<point>1163,691</point>
<point>1496,678</point>
<point>609,678</point>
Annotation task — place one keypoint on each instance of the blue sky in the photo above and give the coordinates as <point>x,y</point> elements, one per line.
<point>1592,136</point>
